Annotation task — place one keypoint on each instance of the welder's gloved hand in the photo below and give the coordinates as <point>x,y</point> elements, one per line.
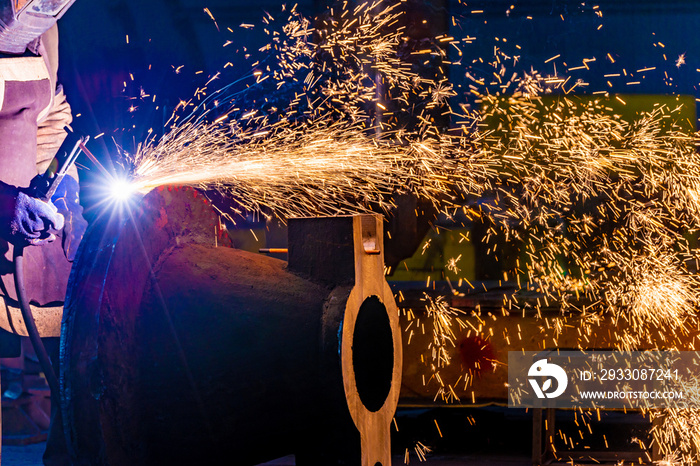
<point>25,220</point>
<point>67,201</point>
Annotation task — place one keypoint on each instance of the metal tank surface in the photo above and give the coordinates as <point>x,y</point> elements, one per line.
<point>178,350</point>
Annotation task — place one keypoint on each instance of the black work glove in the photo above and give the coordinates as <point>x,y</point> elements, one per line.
<point>67,201</point>
<point>26,220</point>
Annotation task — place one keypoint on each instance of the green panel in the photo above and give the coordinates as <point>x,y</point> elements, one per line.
<point>433,255</point>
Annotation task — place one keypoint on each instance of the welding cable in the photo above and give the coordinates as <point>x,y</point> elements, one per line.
<point>39,349</point>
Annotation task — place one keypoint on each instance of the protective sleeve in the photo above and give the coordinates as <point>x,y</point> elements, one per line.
<point>51,132</point>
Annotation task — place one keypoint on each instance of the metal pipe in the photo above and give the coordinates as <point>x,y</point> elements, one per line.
<point>176,351</point>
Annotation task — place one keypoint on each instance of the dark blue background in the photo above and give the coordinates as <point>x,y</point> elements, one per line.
<point>169,41</point>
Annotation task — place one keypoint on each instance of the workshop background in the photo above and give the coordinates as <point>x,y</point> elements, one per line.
<point>126,66</point>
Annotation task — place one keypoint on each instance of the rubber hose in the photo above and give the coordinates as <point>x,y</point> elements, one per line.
<point>39,349</point>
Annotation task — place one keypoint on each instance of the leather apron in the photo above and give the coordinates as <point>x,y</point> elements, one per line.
<point>25,97</point>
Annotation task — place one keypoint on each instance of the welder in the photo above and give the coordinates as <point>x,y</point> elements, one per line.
<point>33,117</point>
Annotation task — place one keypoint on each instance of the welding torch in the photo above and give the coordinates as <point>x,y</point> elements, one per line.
<point>43,187</point>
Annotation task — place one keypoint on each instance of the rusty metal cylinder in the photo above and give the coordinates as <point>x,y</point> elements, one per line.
<point>179,350</point>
